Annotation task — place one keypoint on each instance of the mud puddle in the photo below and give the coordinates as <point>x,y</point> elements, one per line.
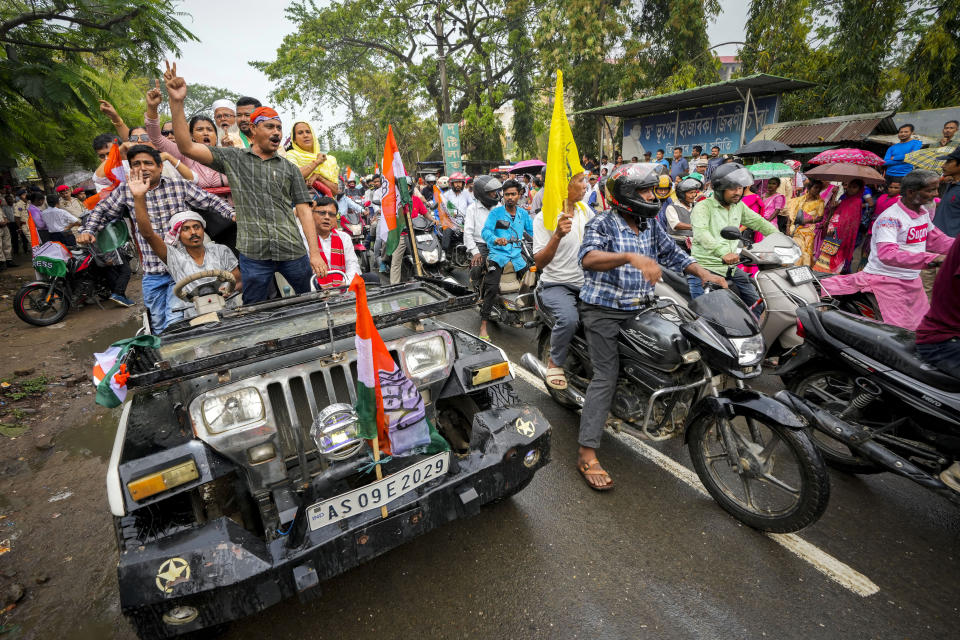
<point>82,350</point>
<point>94,437</point>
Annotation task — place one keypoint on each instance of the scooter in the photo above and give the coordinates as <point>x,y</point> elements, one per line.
<point>872,404</point>
<point>352,223</point>
<point>750,451</point>
<point>781,286</point>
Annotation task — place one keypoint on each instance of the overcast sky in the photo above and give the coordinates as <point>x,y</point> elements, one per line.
<point>243,30</point>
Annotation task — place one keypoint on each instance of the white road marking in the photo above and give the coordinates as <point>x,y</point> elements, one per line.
<point>841,573</point>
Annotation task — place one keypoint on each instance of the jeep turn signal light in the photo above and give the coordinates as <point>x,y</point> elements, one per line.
<point>493,372</point>
<point>154,483</point>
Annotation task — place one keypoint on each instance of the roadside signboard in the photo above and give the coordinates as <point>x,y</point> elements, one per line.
<point>450,143</point>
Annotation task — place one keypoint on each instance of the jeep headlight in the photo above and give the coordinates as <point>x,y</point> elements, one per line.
<point>334,431</point>
<point>749,350</point>
<point>232,410</point>
<point>427,359</point>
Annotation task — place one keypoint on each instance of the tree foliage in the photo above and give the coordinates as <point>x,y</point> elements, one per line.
<point>57,55</point>
<point>929,75</point>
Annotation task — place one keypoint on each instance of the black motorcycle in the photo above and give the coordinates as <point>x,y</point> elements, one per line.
<point>432,257</point>
<point>749,450</point>
<point>873,404</point>
<point>72,282</point>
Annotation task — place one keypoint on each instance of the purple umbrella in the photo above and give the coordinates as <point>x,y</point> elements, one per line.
<point>528,166</point>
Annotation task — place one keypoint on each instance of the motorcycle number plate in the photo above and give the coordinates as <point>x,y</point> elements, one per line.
<point>423,237</point>
<point>379,493</point>
<point>800,275</point>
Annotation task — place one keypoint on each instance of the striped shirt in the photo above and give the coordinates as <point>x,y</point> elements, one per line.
<point>264,193</point>
<point>163,201</point>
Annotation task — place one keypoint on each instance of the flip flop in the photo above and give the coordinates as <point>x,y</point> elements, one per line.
<point>555,378</point>
<point>588,469</point>
<point>484,338</point>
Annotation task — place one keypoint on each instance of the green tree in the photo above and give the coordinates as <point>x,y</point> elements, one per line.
<point>54,56</point>
<point>929,75</point>
<point>201,97</point>
<point>677,48</point>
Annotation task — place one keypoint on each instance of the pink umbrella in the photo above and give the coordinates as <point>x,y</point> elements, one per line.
<point>860,157</point>
<point>531,166</point>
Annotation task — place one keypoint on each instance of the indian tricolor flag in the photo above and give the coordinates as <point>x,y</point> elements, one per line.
<point>110,369</point>
<point>372,358</point>
<point>392,194</point>
<point>113,170</point>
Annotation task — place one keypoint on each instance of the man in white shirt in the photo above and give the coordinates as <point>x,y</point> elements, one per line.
<point>336,246</point>
<point>459,197</point>
<point>487,191</point>
<point>561,278</point>
<point>59,221</point>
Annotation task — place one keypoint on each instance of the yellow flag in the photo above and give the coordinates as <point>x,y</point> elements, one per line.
<point>563,160</point>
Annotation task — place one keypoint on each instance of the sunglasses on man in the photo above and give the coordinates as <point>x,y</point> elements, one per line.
<point>143,137</point>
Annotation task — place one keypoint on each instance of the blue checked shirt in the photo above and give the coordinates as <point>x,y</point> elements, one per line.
<point>625,287</point>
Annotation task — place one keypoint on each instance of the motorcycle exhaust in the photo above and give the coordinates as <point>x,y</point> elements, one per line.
<point>537,368</point>
<point>861,441</point>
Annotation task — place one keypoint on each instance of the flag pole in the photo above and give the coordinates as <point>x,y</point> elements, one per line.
<point>376,461</point>
<point>412,239</point>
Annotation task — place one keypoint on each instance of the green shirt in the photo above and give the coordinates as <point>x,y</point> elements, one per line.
<point>708,218</point>
<point>264,194</point>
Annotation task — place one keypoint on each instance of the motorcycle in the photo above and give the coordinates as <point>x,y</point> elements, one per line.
<point>751,452</point>
<point>872,404</point>
<point>353,224</point>
<point>515,304</point>
<point>432,257</point>
<point>69,278</point>
<point>781,286</point>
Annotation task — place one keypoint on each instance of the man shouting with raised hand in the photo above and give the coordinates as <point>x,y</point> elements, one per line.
<point>269,196</point>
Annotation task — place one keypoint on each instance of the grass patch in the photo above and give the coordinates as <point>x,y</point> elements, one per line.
<point>12,430</point>
<point>28,387</point>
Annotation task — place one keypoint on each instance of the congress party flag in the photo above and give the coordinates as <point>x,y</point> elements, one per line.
<point>392,191</point>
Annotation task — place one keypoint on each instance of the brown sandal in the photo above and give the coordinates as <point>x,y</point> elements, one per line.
<point>588,469</point>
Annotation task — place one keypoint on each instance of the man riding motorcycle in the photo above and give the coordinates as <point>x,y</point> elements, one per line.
<point>487,192</point>
<point>619,255</point>
<point>675,217</point>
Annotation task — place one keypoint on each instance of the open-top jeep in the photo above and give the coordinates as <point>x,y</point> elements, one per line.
<point>237,478</point>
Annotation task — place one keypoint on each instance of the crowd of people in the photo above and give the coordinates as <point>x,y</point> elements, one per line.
<point>229,193</point>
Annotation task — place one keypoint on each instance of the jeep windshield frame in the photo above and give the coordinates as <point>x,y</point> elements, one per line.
<point>267,329</point>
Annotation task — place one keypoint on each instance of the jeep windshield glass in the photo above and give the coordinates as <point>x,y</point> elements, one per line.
<point>278,326</point>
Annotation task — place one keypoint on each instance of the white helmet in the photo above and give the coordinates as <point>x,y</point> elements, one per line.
<point>443,182</point>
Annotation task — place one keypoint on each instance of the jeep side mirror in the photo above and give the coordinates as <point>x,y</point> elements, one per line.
<point>730,233</point>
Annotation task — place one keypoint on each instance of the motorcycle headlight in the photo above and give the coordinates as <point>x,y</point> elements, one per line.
<point>787,255</point>
<point>749,350</point>
<point>429,256</point>
<point>334,431</point>
<point>232,410</point>
<point>427,359</point>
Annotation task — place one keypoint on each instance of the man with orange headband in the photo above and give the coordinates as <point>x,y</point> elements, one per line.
<point>269,196</point>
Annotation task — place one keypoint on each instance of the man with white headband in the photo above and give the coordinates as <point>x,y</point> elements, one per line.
<point>181,248</point>
<point>269,195</point>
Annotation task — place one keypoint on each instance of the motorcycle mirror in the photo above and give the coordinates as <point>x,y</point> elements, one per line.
<point>730,233</point>
<point>503,224</point>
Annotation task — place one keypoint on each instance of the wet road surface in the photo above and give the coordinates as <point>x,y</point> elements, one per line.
<point>652,558</point>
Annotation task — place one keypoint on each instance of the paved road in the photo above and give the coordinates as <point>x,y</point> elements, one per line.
<point>653,558</point>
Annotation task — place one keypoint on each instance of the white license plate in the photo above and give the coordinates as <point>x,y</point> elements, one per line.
<point>379,493</point>
<point>800,275</point>
<point>423,237</point>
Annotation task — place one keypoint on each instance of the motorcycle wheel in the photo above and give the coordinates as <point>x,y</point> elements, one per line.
<point>788,493</point>
<point>831,390</point>
<point>31,306</point>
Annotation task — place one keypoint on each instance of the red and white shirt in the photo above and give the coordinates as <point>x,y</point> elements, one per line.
<point>908,230</point>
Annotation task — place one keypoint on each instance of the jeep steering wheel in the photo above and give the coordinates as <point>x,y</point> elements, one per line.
<point>221,276</point>
<point>324,287</point>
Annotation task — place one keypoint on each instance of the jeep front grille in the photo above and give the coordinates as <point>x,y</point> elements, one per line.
<point>296,400</point>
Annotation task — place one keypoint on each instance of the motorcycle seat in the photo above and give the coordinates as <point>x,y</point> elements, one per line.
<point>676,281</point>
<point>508,280</point>
<point>887,344</point>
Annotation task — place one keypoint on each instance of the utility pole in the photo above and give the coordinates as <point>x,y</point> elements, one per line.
<point>442,59</point>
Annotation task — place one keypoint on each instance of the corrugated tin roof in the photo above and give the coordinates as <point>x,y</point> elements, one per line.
<point>852,128</point>
<point>717,93</point>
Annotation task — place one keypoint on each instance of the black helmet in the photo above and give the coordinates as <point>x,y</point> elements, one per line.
<point>625,183</point>
<point>729,175</point>
<point>686,185</point>
<point>487,190</point>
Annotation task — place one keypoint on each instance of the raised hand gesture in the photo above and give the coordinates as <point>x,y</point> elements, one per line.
<point>154,98</point>
<point>176,86</point>
<point>107,109</point>
<point>138,183</point>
